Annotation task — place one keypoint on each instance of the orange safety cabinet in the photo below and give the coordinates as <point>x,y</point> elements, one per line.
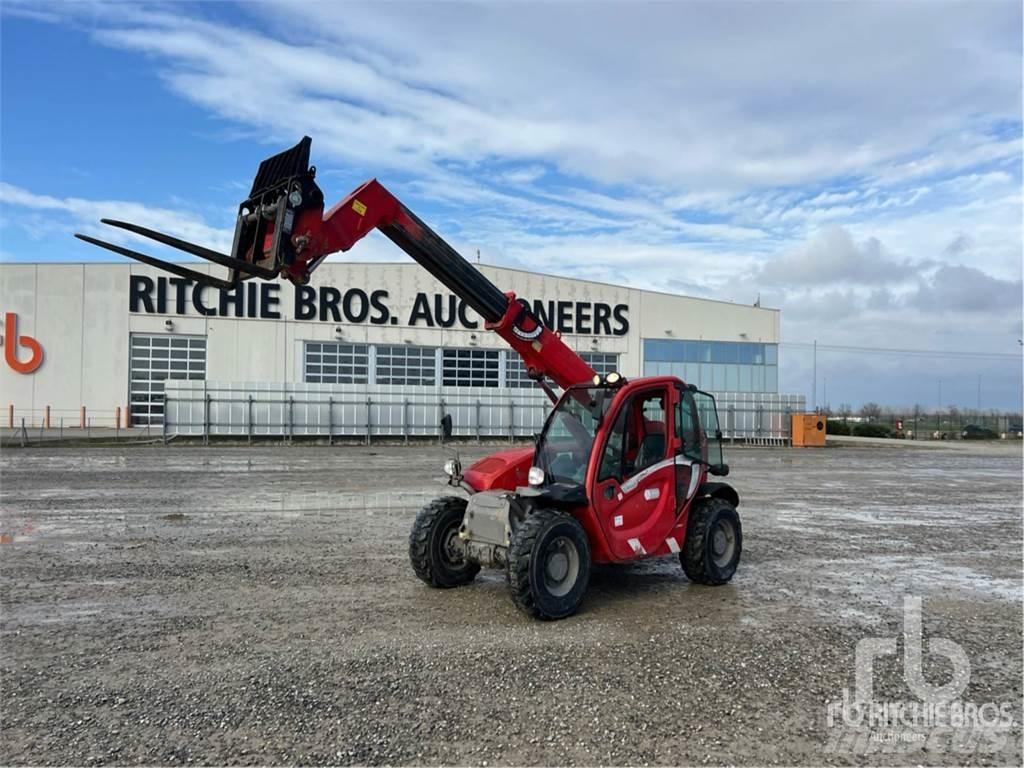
<point>808,430</point>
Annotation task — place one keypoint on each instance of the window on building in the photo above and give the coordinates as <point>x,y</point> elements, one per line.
<point>469,367</point>
<point>602,362</point>
<point>328,362</point>
<point>721,366</point>
<point>411,366</point>
<point>515,372</point>
<point>153,360</point>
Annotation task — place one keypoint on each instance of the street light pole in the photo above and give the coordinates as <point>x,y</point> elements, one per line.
<point>814,386</point>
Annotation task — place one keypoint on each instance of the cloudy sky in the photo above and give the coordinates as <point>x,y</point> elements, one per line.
<point>857,165</point>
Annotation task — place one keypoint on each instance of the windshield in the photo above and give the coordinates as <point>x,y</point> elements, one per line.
<point>563,450</point>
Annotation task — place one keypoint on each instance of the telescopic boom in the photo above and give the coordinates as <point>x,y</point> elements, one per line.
<point>282,229</point>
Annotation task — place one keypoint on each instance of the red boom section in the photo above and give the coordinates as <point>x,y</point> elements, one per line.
<point>315,235</point>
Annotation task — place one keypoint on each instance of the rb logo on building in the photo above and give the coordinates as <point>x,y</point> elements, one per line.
<point>11,342</point>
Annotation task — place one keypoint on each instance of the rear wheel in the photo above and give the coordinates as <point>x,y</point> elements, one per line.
<point>437,555</point>
<point>714,542</point>
<point>549,565</point>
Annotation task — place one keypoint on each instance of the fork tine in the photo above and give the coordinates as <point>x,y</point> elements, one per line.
<point>176,269</point>
<point>196,250</point>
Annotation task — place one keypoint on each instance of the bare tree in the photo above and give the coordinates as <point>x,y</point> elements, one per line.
<point>871,411</point>
<point>917,412</point>
<point>954,416</point>
<point>845,411</point>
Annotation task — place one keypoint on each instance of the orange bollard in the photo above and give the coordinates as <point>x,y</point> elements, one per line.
<point>46,418</point>
<point>117,416</point>
<point>82,423</point>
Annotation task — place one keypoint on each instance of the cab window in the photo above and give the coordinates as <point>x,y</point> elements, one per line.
<point>687,425</point>
<point>637,438</point>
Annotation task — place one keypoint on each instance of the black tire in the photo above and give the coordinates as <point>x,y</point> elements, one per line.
<point>549,565</point>
<point>429,544</point>
<point>714,542</point>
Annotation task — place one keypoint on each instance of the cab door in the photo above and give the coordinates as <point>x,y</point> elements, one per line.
<point>689,447</point>
<point>635,479</point>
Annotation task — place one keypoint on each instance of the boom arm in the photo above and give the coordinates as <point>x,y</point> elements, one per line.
<point>372,205</point>
<point>282,229</point>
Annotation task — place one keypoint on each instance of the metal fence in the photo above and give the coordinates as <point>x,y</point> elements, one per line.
<point>338,411</point>
<point>948,425</point>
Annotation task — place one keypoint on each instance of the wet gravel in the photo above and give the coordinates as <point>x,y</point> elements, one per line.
<point>178,605</point>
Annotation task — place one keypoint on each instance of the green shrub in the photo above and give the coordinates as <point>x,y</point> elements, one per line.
<point>871,429</point>
<point>833,427</point>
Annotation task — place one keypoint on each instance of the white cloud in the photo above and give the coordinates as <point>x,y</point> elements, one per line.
<point>678,95</point>
<point>86,214</point>
<point>831,257</point>
<point>966,289</point>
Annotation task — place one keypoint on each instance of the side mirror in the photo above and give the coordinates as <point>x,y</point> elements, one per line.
<point>718,470</point>
<point>446,426</point>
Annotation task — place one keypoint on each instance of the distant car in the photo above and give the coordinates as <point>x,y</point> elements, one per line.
<point>974,432</point>
<point>1015,430</point>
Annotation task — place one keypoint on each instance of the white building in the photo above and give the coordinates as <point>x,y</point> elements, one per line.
<point>110,335</point>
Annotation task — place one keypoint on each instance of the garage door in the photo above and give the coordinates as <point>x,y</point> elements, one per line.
<point>154,359</point>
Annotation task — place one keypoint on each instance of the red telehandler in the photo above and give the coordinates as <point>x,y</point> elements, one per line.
<point>620,471</point>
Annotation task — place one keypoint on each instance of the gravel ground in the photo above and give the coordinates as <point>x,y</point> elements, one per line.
<point>218,605</point>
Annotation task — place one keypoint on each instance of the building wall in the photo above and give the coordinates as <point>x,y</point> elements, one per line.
<point>83,315</point>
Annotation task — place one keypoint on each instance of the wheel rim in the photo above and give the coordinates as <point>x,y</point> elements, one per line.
<point>561,566</point>
<point>723,543</point>
<point>451,548</point>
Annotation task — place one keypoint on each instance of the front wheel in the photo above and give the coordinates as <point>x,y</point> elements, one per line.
<point>714,542</point>
<point>549,565</point>
<point>437,555</point>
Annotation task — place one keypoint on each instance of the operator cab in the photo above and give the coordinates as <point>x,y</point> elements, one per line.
<point>634,426</point>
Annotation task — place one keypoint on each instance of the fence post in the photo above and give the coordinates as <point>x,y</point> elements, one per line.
<point>291,417</point>
<point>330,420</point>
<point>478,420</point>
<point>46,418</point>
<point>206,419</point>
<point>405,420</point>
<point>440,433</point>
<point>248,419</point>
<point>24,434</point>
<point>369,419</point>
<point>511,421</point>
<point>88,426</point>
<point>81,424</point>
